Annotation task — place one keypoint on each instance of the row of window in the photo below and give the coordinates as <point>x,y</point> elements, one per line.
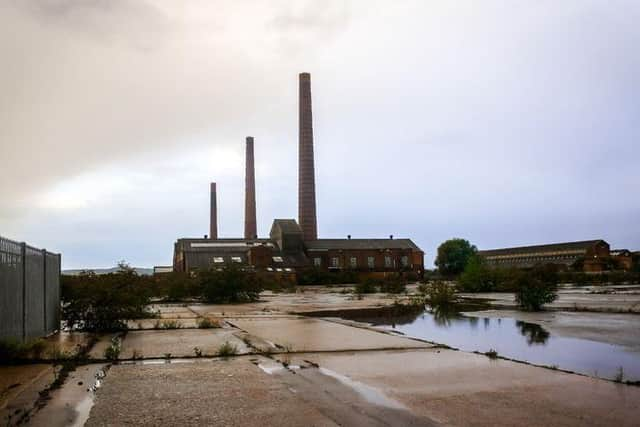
<point>220,260</point>
<point>353,262</point>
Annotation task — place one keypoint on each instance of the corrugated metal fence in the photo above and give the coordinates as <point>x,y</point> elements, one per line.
<point>29,291</point>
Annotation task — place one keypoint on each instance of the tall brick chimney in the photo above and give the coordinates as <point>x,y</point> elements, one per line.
<point>213,219</point>
<point>250,228</point>
<point>306,170</point>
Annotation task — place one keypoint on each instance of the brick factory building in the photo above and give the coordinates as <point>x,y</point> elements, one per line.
<point>293,245</point>
<point>594,253</point>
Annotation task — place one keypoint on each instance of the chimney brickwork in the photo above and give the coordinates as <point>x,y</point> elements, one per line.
<point>306,169</point>
<point>250,226</point>
<point>213,219</point>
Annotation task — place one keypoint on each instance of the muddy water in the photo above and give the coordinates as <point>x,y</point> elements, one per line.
<point>518,340</point>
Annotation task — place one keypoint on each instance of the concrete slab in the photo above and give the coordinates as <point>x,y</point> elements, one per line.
<point>179,342</point>
<point>457,388</point>
<point>304,334</point>
<point>230,392</point>
<point>20,388</point>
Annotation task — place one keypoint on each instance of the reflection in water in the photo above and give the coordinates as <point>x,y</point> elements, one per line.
<point>535,334</point>
<point>511,338</point>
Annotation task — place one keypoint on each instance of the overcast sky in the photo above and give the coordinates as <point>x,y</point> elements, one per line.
<point>503,122</point>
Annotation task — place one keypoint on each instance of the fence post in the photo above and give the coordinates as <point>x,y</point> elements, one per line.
<point>23,254</point>
<point>44,289</point>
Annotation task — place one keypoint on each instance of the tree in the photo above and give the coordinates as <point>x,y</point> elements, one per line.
<point>231,284</point>
<point>536,287</point>
<point>453,256</point>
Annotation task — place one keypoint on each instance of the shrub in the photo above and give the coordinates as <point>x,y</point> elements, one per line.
<point>440,294</point>
<point>231,284</point>
<point>168,324</point>
<point>367,286</point>
<point>536,287</point>
<point>113,351</point>
<point>206,323</point>
<point>104,302</point>
<point>394,284</point>
<point>227,349</point>
<point>477,276</point>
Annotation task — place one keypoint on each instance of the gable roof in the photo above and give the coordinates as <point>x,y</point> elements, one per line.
<point>361,244</point>
<point>554,247</point>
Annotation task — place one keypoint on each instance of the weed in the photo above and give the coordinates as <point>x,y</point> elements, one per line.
<point>12,350</point>
<point>491,354</point>
<point>169,324</point>
<point>113,351</point>
<point>227,349</point>
<point>56,353</point>
<point>197,351</point>
<point>554,367</point>
<point>167,355</point>
<point>137,355</point>
<point>206,323</point>
<point>619,375</point>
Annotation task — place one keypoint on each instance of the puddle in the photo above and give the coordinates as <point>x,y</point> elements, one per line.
<point>515,339</point>
<point>370,394</point>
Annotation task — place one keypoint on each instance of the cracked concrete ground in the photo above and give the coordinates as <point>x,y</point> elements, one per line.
<point>316,371</point>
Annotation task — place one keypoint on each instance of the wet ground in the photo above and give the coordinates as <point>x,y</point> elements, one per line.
<point>295,370</point>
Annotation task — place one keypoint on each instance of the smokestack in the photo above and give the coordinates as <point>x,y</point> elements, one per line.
<point>250,228</point>
<point>306,170</point>
<point>213,220</point>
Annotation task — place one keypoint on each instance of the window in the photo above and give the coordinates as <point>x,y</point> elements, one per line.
<point>387,262</point>
<point>288,269</point>
<point>236,259</point>
<point>218,259</point>
<point>404,260</point>
<point>370,262</point>
<point>353,262</point>
<point>277,259</point>
<point>317,261</point>
<point>335,262</point>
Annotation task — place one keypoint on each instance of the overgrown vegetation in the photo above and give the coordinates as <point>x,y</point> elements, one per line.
<point>104,303</point>
<point>227,349</point>
<point>439,293</point>
<point>112,352</point>
<point>207,323</point>
<point>317,276</point>
<point>536,287</point>
<point>13,350</point>
<point>393,283</point>
<point>230,284</point>
<point>168,324</point>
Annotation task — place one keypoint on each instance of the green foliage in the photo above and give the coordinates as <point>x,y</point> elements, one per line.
<point>453,256</point>
<point>227,349</point>
<point>367,286</point>
<point>394,284</point>
<point>112,352</point>
<point>477,276</point>
<point>176,286</point>
<point>440,294</point>
<point>104,302</point>
<point>536,287</point>
<point>317,276</point>
<point>13,350</point>
<point>231,284</point>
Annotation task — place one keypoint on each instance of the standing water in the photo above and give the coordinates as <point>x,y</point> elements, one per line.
<point>517,340</point>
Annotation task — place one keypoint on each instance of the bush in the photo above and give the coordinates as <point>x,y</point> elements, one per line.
<point>367,286</point>
<point>206,323</point>
<point>394,284</point>
<point>440,294</point>
<point>231,284</point>
<point>227,349</point>
<point>536,287</point>
<point>104,302</point>
<point>112,352</point>
<point>477,276</point>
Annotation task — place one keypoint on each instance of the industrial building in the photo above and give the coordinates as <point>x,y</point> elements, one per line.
<point>293,245</point>
<point>593,253</point>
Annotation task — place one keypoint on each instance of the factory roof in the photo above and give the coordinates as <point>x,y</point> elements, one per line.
<point>351,244</point>
<point>554,247</point>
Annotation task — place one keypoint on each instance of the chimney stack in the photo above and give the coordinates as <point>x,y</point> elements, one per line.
<point>306,170</point>
<point>250,227</point>
<point>213,220</point>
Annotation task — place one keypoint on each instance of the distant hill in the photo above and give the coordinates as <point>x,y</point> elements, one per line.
<point>140,270</point>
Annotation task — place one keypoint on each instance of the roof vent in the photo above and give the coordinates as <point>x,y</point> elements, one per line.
<point>349,236</point>
<point>206,237</point>
<point>391,236</point>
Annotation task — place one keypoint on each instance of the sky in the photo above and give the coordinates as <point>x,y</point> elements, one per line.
<point>503,122</point>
